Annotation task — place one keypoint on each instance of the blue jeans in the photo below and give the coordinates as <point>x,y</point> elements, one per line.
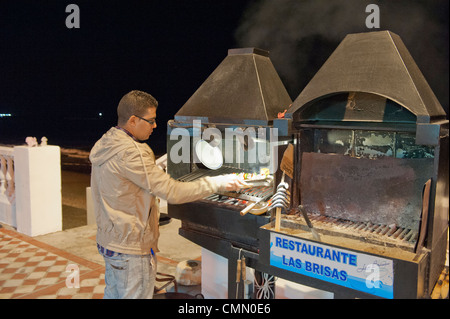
<point>129,276</point>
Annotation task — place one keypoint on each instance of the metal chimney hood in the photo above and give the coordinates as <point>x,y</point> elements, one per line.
<point>377,63</point>
<point>244,89</point>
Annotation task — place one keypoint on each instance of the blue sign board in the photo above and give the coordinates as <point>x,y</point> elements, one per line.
<point>368,273</point>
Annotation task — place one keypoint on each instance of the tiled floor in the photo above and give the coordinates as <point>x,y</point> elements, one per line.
<point>38,267</point>
<point>34,268</point>
<point>30,269</point>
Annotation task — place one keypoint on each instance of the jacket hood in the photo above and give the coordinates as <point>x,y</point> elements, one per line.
<point>111,143</point>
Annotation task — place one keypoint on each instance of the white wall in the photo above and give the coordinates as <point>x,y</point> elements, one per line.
<point>37,173</point>
<point>215,281</point>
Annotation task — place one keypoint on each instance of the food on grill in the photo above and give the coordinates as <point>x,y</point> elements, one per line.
<point>252,176</point>
<point>262,179</point>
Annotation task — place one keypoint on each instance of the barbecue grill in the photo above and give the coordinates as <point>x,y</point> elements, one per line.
<point>243,95</point>
<point>372,171</point>
<point>367,215</point>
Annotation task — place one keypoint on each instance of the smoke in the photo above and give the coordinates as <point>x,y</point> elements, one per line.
<point>302,34</point>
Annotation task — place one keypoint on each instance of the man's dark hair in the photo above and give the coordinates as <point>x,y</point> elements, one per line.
<point>134,103</point>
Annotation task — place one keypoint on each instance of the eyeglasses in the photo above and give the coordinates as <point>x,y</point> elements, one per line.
<point>151,121</point>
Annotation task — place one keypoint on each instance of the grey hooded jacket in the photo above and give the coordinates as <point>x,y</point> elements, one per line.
<point>125,184</point>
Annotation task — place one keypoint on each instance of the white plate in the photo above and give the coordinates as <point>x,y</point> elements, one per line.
<point>210,156</point>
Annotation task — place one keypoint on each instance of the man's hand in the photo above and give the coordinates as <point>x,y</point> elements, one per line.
<point>230,182</point>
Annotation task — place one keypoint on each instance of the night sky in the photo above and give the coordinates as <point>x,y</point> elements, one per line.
<point>159,46</point>
<point>58,80</point>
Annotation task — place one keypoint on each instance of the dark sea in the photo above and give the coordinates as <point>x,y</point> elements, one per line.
<point>74,135</point>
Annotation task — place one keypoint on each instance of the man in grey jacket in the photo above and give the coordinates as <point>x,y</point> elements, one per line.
<point>126,184</point>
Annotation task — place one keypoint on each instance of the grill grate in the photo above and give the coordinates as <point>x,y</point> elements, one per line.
<point>389,235</point>
<point>237,199</point>
<point>242,197</point>
<point>389,231</point>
